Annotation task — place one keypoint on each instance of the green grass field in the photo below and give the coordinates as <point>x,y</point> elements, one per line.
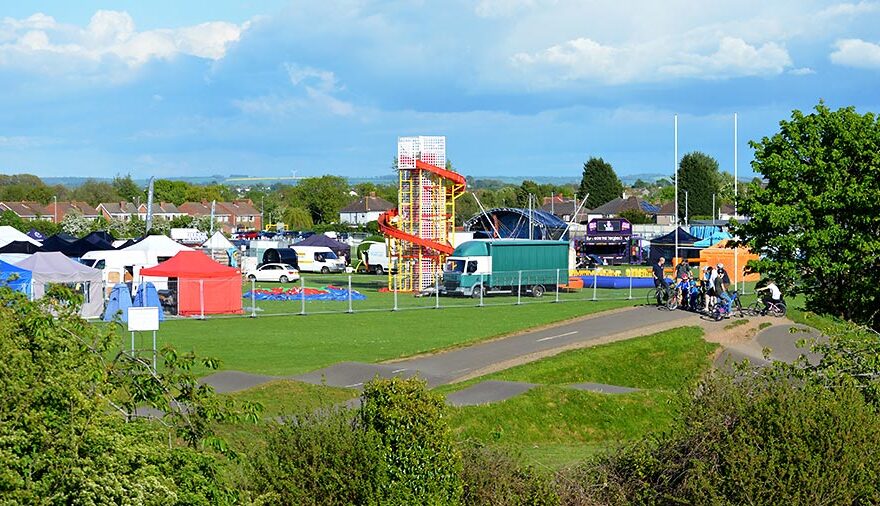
<point>284,397</point>
<point>553,425</point>
<point>287,345</point>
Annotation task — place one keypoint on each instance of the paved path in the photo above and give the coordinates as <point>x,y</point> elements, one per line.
<point>779,339</point>
<point>483,358</point>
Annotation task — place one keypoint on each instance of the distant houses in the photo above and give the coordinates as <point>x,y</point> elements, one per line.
<point>239,215</point>
<point>364,210</point>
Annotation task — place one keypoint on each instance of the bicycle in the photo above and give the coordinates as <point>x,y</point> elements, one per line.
<point>657,296</point>
<point>777,309</point>
<point>719,311</point>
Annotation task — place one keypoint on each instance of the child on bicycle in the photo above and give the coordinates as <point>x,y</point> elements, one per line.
<point>773,295</point>
<point>722,281</point>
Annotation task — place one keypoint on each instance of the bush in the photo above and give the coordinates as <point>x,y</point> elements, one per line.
<point>494,478</point>
<point>318,459</point>
<point>757,440</point>
<point>417,447</point>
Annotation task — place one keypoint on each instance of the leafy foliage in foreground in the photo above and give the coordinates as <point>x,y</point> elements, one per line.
<point>66,436</point>
<point>759,439</point>
<point>816,224</point>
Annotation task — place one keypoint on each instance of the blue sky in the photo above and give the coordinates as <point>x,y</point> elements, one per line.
<point>519,87</point>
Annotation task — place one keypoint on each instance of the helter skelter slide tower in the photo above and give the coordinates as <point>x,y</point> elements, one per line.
<point>420,230</point>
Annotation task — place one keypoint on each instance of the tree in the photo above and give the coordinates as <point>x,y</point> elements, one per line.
<point>165,190</point>
<point>698,176</point>
<point>816,224</point>
<point>94,192</point>
<point>68,435</point>
<point>75,224</point>
<point>127,189</point>
<point>600,182</point>
<point>636,217</point>
<point>297,218</point>
<point>323,197</point>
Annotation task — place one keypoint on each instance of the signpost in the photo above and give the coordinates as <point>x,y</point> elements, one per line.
<point>143,319</point>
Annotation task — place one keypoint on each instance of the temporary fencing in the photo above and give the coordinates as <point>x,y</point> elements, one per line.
<point>355,293</point>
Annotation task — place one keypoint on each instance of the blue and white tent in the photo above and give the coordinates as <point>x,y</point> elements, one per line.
<point>147,296</point>
<point>118,303</point>
<point>15,278</point>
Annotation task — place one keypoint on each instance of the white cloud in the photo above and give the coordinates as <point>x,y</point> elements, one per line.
<point>39,43</point>
<point>313,91</point>
<point>850,9</point>
<point>802,71</point>
<point>586,59</point>
<point>856,53</point>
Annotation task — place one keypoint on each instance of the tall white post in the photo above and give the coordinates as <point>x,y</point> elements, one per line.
<point>675,166</point>
<point>557,285</point>
<point>437,291</point>
<point>253,298</point>
<point>202,297</point>
<point>302,294</point>
<point>735,182</point>
<point>394,281</point>
<point>736,250</point>
<point>519,287</point>
<point>686,208</point>
<point>349,294</point>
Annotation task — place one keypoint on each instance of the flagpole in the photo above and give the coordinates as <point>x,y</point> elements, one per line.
<point>736,250</point>
<point>675,166</point>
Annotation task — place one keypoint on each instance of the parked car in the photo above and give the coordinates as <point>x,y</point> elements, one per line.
<point>281,273</point>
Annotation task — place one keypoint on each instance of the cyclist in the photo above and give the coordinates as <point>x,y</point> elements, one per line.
<point>660,278</point>
<point>709,276</point>
<point>774,295</point>
<point>722,282</point>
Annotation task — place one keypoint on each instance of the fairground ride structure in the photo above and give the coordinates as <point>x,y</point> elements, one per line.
<point>419,231</point>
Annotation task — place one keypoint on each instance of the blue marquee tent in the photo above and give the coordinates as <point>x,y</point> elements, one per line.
<point>15,278</point>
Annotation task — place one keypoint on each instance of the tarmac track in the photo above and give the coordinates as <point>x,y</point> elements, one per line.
<point>483,358</point>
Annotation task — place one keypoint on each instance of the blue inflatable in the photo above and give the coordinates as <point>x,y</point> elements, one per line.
<point>618,282</point>
<point>118,304</point>
<point>148,297</point>
<point>331,294</point>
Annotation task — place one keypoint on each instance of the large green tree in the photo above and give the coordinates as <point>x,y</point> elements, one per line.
<point>323,197</point>
<point>128,189</point>
<point>600,182</point>
<point>698,176</point>
<point>816,224</point>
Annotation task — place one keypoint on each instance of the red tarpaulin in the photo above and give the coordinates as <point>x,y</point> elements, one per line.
<point>203,285</point>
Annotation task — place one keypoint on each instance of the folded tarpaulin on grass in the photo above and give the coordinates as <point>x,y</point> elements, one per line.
<point>330,293</point>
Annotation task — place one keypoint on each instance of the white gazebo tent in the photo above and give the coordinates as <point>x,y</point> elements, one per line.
<point>54,267</point>
<point>151,251</point>
<point>9,234</point>
<point>217,247</point>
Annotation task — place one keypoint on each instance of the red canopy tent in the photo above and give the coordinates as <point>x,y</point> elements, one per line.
<point>203,285</point>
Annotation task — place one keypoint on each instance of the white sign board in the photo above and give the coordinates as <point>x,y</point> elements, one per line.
<point>143,319</point>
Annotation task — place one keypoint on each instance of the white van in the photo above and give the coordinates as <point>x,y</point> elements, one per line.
<point>116,266</point>
<point>376,258</point>
<point>318,259</point>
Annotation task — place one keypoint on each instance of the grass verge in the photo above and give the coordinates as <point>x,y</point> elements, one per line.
<point>287,345</point>
<point>553,425</point>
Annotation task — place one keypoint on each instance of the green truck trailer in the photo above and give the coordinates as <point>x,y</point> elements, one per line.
<point>503,266</point>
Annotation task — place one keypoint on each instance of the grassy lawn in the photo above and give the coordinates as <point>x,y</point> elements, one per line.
<point>288,345</point>
<point>553,425</point>
<point>283,397</point>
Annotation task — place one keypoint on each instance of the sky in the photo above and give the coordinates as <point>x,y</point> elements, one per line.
<point>519,87</point>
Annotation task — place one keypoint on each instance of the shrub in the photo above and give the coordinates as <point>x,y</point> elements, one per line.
<point>318,459</point>
<point>416,444</point>
<point>755,440</point>
<point>492,477</point>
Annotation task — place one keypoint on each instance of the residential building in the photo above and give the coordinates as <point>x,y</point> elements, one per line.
<point>364,210</point>
<point>621,204</point>
<point>62,209</point>
<point>163,210</point>
<point>235,216</point>
<point>122,211</point>
<point>666,214</point>
<point>28,211</point>
<point>565,209</point>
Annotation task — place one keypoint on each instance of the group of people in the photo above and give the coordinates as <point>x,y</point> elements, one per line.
<point>710,290</point>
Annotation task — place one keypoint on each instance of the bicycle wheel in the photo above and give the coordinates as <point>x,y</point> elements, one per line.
<point>738,308</point>
<point>778,310</point>
<point>673,301</point>
<point>755,308</point>
<point>651,297</point>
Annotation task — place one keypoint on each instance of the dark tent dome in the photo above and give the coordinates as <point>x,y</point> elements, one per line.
<point>513,223</point>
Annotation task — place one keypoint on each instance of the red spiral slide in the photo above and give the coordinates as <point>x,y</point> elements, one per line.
<point>385,218</point>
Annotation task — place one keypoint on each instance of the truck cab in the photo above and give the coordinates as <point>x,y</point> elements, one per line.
<point>463,275</point>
